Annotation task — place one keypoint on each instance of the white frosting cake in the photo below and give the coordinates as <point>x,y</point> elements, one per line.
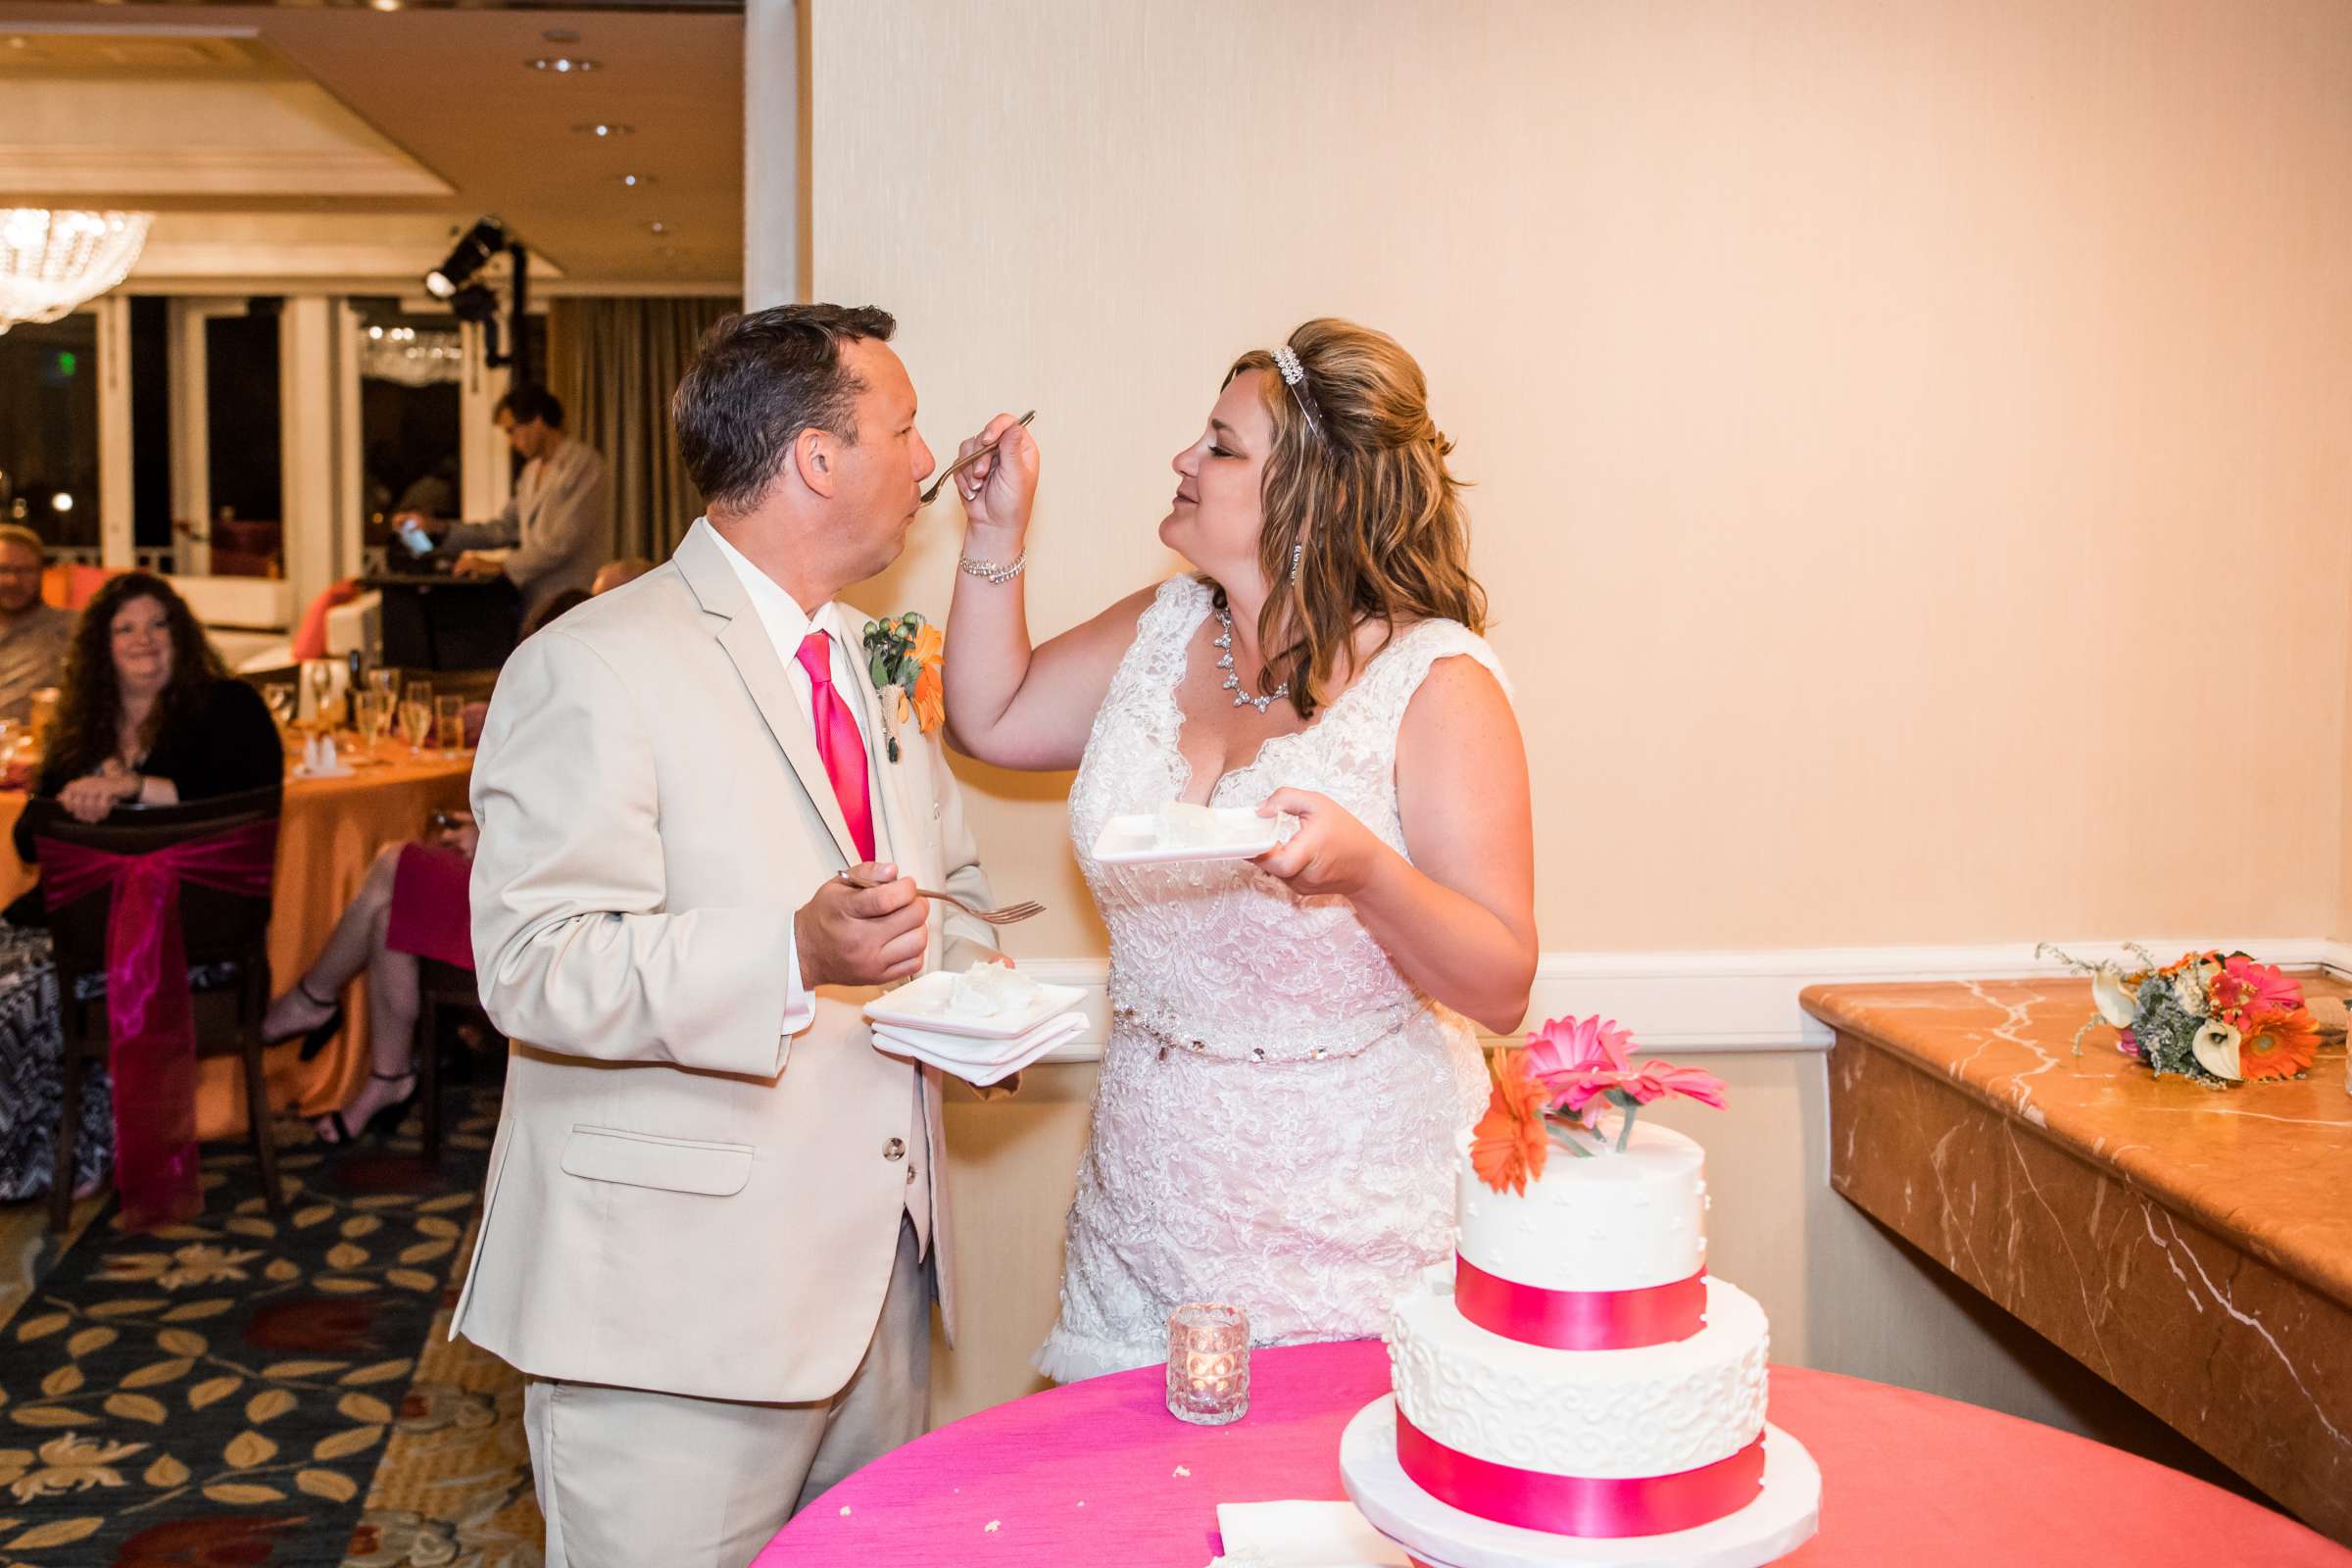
<point>1558,1255</point>
<point>1613,1222</point>
<point>1653,1411</point>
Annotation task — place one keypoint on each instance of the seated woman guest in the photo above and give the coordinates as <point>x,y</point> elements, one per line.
<point>146,715</point>
<point>411,905</point>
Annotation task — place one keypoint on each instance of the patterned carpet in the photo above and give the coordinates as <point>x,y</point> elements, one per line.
<point>231,1392</point>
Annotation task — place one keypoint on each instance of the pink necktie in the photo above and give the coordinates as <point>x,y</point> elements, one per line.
<point>839,746</point>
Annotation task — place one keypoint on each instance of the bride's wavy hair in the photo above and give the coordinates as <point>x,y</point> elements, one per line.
<point>1356,485</point>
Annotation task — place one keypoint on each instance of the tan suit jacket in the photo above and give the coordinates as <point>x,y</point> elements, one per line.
<point>680,1199</point>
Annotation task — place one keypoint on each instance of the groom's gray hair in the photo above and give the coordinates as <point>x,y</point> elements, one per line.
<point>756,382</point>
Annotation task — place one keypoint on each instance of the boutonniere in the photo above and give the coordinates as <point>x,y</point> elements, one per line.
<point>903,654</point>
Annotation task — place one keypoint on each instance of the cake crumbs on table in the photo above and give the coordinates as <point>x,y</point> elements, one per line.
<point>990,1528</point>
<point>845,1511</point>
<point>1184,1470</point>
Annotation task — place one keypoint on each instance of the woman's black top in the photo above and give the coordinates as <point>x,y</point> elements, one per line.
<point>223,743</point>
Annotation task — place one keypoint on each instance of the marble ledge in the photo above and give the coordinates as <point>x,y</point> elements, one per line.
<point>2266,1165</point>
<point>2190,1245</point>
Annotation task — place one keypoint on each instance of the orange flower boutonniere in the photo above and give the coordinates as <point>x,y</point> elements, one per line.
<point>904,656</point>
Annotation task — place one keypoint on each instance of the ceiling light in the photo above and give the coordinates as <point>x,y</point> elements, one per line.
<point>635,181</point>
<point>659,226</point>
<point>61,502</point>
<point>376,333</point>
<point>605,128</point>
<point>562,64</point>
<point>384,5</point>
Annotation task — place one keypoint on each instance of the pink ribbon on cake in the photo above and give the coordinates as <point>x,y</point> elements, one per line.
<point>1606,1507</point>
<point>1580,1320</point>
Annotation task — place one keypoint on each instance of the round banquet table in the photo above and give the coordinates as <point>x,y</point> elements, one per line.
<point>328,834</point>
<point>1098,1472</point>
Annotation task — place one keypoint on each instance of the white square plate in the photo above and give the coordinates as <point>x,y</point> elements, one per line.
<point>923,1004</point>
<point>931,1051</point>
<point>1135,840</point>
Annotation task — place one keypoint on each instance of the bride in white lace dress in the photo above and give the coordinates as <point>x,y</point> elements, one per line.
<point>1290,1060</point>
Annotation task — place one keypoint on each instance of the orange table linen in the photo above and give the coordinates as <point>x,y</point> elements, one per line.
<point>329,834</point>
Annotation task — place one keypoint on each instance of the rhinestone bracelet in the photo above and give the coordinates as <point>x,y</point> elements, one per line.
<point>989,572</point>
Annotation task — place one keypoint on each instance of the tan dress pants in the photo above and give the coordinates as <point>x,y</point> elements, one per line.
<point>631,1479</point>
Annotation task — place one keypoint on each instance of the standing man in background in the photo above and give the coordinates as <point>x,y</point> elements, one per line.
<point>33,634</point>
<point>558,529</point>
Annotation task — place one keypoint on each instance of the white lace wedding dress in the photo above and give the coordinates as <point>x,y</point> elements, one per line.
<point>1274,1126</point>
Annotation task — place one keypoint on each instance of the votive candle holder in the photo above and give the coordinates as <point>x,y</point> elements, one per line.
<point>1208,1363</point>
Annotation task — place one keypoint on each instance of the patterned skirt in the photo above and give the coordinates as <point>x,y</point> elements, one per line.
<point>32,1075</point>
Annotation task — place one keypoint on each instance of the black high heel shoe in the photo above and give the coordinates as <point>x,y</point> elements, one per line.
<point>315,1040</point>
<point>387,1118</point>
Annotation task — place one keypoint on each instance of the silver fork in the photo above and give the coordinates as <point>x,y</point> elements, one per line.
<point>1010,915</point>
<point>965,461</point>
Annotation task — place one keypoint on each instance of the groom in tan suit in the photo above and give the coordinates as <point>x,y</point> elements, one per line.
<point>715,1215</point>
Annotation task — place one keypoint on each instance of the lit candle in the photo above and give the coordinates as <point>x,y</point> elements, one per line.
<point>1208,1363</point>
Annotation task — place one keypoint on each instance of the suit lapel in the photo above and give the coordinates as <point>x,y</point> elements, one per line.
<point>746,641</point>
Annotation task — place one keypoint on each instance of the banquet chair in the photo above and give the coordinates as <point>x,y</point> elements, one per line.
<point>444,991</point>
<point>227,943</point>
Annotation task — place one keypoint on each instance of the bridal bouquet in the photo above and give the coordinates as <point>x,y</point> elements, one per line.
<point>1552,1092</point>
<point>2212,1017</point>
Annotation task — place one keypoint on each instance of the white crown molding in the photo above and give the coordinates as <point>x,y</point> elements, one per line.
<point>1700,1002</point>
<point>337,172</point>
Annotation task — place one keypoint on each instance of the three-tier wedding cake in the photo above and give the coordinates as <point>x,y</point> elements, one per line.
<point>1575,1387</point>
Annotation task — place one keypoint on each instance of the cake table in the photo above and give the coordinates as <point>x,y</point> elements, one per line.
<point>1098,1472</point>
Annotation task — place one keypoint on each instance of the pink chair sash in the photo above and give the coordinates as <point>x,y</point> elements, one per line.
<point>151,1022</point>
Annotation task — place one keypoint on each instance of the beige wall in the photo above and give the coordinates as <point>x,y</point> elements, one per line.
<point>1861,400</point>
<point>1910,446</point>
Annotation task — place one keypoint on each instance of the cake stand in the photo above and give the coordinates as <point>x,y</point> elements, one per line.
<point>1785,1513</point>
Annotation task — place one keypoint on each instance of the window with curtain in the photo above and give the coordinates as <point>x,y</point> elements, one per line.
<point>613,362</point>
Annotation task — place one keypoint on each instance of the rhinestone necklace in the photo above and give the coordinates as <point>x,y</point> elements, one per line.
<point>1233,679</point>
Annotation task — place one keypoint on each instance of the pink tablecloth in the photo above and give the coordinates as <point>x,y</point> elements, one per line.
<point>1091,1474</point>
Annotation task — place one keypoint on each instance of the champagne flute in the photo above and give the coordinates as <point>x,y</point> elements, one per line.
<point>448,724</point>
<point>319,674</point>
<point>370,711</point>
<point>280,696</point>
<point>417,717</point>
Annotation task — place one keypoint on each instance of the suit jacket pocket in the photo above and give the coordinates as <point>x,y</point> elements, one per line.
<point>642,1159</point>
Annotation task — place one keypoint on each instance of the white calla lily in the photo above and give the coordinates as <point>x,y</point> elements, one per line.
<point>2215,1049</point>
<point>2107,993</point>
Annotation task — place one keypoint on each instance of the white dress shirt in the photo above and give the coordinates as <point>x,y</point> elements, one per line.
<point>788,626</point>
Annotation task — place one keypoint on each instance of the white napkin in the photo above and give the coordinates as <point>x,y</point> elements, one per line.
<point>1301,1534</point>
<point>320,759</point>
<point>979,1062</point>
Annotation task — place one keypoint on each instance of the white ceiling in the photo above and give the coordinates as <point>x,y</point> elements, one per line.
<point>343,143</point>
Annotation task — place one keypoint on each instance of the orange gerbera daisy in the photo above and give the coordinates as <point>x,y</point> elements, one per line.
<point>1508,1145</point>
<point>930,698</point>
<point>2277,1044</point>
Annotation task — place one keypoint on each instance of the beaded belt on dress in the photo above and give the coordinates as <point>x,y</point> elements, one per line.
<point>1310,1041</point>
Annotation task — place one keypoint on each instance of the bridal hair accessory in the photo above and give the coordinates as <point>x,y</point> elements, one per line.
<point>1293,376</point>
<point>902,658</point>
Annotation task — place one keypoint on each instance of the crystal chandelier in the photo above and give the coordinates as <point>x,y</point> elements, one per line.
<point>54,261</point>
